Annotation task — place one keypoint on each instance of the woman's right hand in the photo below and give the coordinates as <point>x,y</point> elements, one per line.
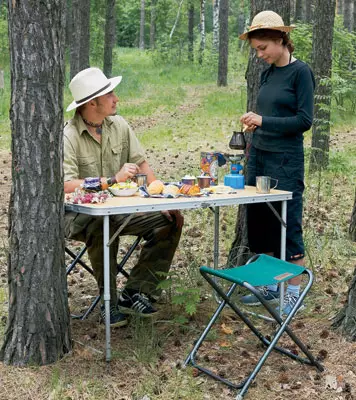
<point>251,120</point>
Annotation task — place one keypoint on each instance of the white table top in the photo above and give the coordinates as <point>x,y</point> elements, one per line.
<point>133,204</point>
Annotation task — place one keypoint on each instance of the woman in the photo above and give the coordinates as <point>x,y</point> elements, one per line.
<point>284,113</point>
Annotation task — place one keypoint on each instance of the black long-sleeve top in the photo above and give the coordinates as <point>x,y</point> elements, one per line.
<point>285,102</point>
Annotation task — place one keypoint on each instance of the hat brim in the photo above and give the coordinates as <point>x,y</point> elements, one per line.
<point>113,83</point>
<point>286,29</point>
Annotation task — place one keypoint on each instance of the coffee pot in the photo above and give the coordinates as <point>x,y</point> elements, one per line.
<point>237,141</point>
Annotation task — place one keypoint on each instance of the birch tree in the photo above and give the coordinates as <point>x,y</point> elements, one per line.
<point>142,26</point>
<point>202,31</point>
<point>224,43</point>
<point>216,25</point>
<point>191,30</point>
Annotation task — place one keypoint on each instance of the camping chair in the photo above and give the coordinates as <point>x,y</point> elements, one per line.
<point>260,270</point>
<point>77,259</point>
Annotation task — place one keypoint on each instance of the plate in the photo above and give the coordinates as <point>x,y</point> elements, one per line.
<point>123,192</point>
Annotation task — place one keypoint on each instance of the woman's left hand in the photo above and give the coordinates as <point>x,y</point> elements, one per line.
<point>251,119</point>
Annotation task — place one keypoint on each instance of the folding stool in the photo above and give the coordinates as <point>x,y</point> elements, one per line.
<point>260,270</point>
<point>77,260</point>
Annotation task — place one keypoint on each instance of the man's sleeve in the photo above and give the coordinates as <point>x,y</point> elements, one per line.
<point>70,163</point>
<point>136,152</point>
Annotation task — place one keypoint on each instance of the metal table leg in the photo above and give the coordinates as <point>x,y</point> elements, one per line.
<point>283,251</point>
<point>216,236</point>
<point>107,287</point>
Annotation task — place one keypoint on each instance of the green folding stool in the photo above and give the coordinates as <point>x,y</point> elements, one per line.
<point>260,270</point>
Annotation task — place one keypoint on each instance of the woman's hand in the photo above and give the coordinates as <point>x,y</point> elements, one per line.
<point>252,120</point>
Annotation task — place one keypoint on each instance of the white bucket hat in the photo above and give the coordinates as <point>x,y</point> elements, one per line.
<point>267,20</point>
<point>88,84</point>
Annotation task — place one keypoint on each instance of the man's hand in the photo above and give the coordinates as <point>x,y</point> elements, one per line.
<point>178,216</point>
<point>252,120</point>
<point>128,171</point>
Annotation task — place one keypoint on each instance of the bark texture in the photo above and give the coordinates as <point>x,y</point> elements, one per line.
<point>216,6</point>
<point>339,7</point>
<point>224,42</point>
<point>299,10</point>
<point>322,62</point>
<point>346,318</point>
<point>239,251</point>
<point>348,17</point>
<point>110,36</point>
<point>38,330</point>
<point>352,228</point>
<point>142,25</point>
<point>191,31</point>
<point>241,18</point>
<point>202,31</point>
<point>80,40</point>
<point>153,25</point>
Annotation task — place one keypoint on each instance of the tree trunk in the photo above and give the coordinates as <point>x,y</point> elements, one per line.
<point>84,34</point>
<point>352,228</point>
<point>191,31</point>
<point>202,31</point>
<point>216,25</point>
<point>110,37</point>
<point>223,42</point>
<point>322,62</point>
<point>354,18</point>
<point>241,19</point>
<point>80,39</point>
<point>345,319</point>
<point>153,25</point>
<point>239,251</point>
<point>348,17</point>
<point>308,11</point>
<point>38,329</point>
<point>299,10</point>
<point>142,26</point>
<point>69,23</point>
<point>292,9</point>
<point>339,8</point>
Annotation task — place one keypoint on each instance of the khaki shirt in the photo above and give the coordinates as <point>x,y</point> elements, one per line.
<point>84,157</point>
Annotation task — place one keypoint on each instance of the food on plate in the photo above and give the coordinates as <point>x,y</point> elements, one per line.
<point>155,187</point>
<point>219,189</point>
<point>171,189</point>
<point>190,190</point>
<point>124,185</point>
<point>83,197</point>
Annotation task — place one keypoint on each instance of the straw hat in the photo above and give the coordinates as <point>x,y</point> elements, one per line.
<point>88,84</point>
<point>267,20</point>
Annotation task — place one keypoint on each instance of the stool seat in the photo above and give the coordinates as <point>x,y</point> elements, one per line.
<point>265,270</point>
<point>260,270</point>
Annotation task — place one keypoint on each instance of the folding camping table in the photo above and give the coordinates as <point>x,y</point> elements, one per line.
<point>137,204</point>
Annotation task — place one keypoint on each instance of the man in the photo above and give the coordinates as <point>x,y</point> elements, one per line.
<point>99,143</point>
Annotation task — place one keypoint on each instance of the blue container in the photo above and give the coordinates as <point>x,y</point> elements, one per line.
<point>235,181</point>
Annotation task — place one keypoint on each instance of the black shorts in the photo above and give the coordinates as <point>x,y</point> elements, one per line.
<point>264,229</point>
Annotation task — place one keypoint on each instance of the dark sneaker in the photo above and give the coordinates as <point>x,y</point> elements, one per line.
<point>117,318</point>
<point>289,303</point>
<point>137,304</point>
<point>270,296</point>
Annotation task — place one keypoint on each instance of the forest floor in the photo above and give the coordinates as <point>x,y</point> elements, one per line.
<point>148,355</point>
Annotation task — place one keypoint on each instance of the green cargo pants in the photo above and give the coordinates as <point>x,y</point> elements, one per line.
<point>161,240</point>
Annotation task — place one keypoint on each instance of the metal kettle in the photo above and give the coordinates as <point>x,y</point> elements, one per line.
<point>237,141</point>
